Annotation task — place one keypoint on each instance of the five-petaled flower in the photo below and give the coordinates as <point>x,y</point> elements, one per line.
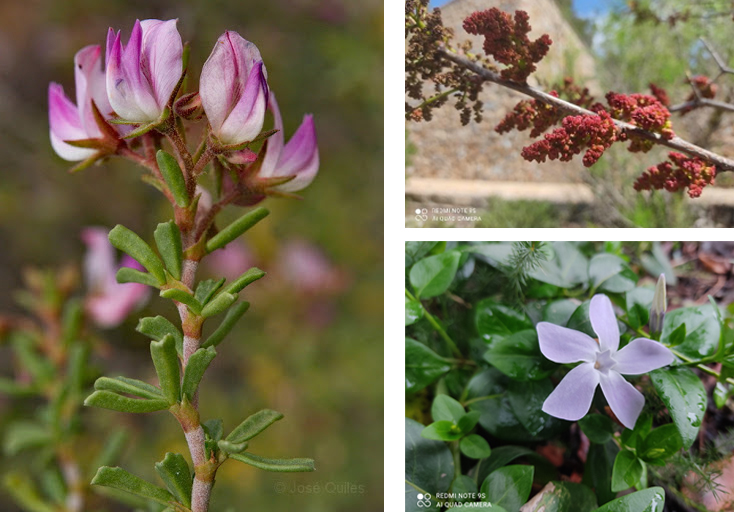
<point>601,363</point>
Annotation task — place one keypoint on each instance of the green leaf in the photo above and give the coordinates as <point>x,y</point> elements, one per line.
<point>638,302</point>
<point>175,473</point>
<point>649,500</point>
<point>567,269</point>
<point>205,290</point>
<point>128,386</point>
<point>610,273</point>
<point>278,465</point>
<point>580,321</point>
<point>111,450</point>
<point>492,318</point>
<point>417,250</point>
<point>422,366</point>
<point>468,421</point>
<point>702,330</point>
<point>446,408</point>
<point>166,365</point>
<point>598,470</point>
<point>253,425</point>
<point>658,263</point>
<point>526,400</point>
<point>509,487</point>
<point>518,356</point>
<point>130,243</point>
<point>429,466</point>
<point>563,497</point>
<point>115,402</point>
<point>228,447</point>
<point>475,447</point>
<point>197,365</point>
<point>184,298</point>
<point>236,228</point>
<point>157,327</point>
<point>433,275</point>
<point>597,427</point>
<point>173,177</point>
<point>626,472</point>
<point>168,240</point>
<point>442,431</point>
<point>685,397</point>
<point>218,304</point>
<point>118,478</point>
<point>131,275</point>
<point>413,311</point>
<point>559,312</point>
<point>25,494</point>
<point>464,487</point>
<point>677,336</point>
<point>213,428</point>
<point>660,444</point>
<point>245,279</point>
<point>22,435</point>
<point>230,319</point>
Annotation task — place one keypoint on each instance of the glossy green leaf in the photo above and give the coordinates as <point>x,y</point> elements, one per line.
<point>580,321</point>
<point>173,177</point>
<point>118,478</point>
<point>433,275</point>
<point>508,487</point>
<point>422,366</point>
<point>702,330</point>
<point>566,269</point>
<point>429,466</point>
<point>660,444</point>
<point>417,250</point>
<point>128,386</point>
<point>492,318</point>
<point>131,275</point>
<point>175,473</point>
<point>218,304</point>
<point>677,336</point>
<point>685,397</point>
<point>253,425</point>
<point>277,465</point>
<point>184,298</point>
<point>442,431</point>
<point>168,240</point>
<point>597,427</point>
<point>21,435</point>
<point>130,243</point>
<point>610,273</point>
<point>464,487</point>
<point>526,400</point>
<point>413,311</point>
<point>244,280</point>
<point>167,368</point>
<point>518,356</point>
<point>446,408</point>
<point>648,500</point>
<point>657,262</point>
<point>468,421</point>
<point>638,302</point>
<point>206,289</point>
<point>195,368</point>
<point>559,312</point>
<point>158,327</point>
<point>115,402</point>
<point>562,497</point>
<point>626,472</point>
<point>230,320</point>
<point>598,470</point>
<point>475,447</point>
<point>236,228</point>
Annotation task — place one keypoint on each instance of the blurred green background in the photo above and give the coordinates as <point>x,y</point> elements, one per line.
<point>312,352</point>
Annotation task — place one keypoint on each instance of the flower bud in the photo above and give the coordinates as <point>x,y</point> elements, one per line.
<point>189,106</point>
<point>234,90</point>
<point>142,75</point>
<point>659,305</point>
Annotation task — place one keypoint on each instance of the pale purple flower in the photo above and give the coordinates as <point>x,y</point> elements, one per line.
<point>108,302</point>
<point>142,75</point>
<point>234,89</point>
<point>299,157</point>
<point>601,363</point>
<point>76,122</point>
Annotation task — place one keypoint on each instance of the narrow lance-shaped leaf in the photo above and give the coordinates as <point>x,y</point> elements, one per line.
<point>206,289</point>
<point>165,360</point>
<point>131,275</point>
<point>197,365</point>
<point>218,304</point>
<point>229,447</point>
<point>237,228</point>
<point>128,386</point>
<point>156,327</point>
<point>115,402</point>
<point>173,177</point>
<point>230,320</point>
<point>118,478</point>
<point>253,425</point>
<point>168,240</point>
<point>111,451</point>
<point>130,243</point>
<point>277,465</point>
<point>175,473</point>
<point>184,298</point>
<point>245,279</point>
<point>25,434</point>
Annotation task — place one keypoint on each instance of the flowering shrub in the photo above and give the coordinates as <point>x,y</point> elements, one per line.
<point>549,376</point>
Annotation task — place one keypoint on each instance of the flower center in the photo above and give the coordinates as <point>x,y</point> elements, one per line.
<point>604,361</point>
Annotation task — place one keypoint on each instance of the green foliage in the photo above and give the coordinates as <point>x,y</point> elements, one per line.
<point>253,425</point>
<point>174,178</point>
<point>236,228</point>
<point>130,243</point>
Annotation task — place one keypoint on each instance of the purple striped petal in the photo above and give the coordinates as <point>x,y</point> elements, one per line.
<point>90,86</point>
<point>626,402</point>
<point>572,397</point>
<point>564,345</point>
<point>161,59</point>
<point>65,124</point>
<point>247,117</point>
<point>641,356</point>
<point>604,322</point>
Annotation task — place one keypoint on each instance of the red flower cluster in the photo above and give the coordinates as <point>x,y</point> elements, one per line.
<point>679,173</point>
<point>660,94</point>
<point>705,87</point>
<point>593,133</point>
<point>507,41</point>
<point>641,110</point>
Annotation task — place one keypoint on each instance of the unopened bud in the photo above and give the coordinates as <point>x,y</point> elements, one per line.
<point>189,106</point>
<point>659,305</point>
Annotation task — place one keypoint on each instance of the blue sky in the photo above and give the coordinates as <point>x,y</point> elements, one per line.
<point>583,8</point>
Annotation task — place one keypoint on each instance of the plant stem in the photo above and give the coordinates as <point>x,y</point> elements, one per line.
<point>436,325</point>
